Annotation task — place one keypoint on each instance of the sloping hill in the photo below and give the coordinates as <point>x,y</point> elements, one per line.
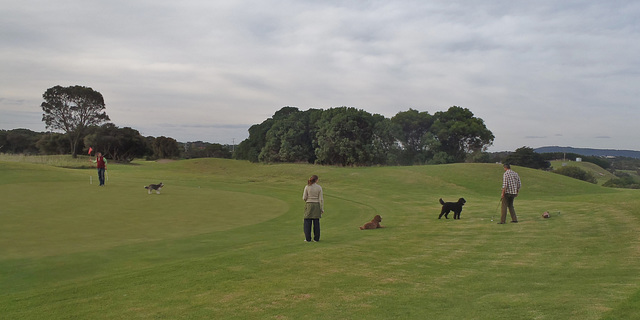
<point>601,174</point>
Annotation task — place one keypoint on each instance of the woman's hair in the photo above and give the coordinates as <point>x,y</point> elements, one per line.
<point>312,180</point>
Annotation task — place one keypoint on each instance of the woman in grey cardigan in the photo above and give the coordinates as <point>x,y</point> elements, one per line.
<point>313,209</point>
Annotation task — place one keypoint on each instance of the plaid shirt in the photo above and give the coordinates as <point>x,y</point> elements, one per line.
<point>511,182</point>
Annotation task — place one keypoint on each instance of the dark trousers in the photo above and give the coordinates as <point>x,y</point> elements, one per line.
<point>507,203</point>
<point>101,176</point>
<point>316,229</point>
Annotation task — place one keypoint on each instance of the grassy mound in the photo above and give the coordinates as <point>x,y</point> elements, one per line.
<point>598,172</point>
<point>224,241</point>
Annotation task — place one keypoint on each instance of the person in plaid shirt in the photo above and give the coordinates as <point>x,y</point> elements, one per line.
<point>510,187</point>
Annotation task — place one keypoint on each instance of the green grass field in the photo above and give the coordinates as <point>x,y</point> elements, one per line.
<point>224,241</point>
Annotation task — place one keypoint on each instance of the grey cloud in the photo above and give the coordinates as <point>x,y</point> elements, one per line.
<point>523,67</point>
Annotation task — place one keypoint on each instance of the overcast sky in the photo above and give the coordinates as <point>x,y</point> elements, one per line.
<point>539,73</point>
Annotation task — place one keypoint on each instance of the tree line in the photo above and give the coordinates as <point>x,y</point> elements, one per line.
<point>79,112</point>
<point>119,144</point>
<point>348,136</point>
<point>338,136</point>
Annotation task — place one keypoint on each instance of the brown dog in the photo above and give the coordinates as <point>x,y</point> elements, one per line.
<point>374,224</point>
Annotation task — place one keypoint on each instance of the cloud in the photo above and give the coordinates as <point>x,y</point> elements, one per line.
<point>559,73</point>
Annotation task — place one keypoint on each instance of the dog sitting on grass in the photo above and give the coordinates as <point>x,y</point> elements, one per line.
<point>154,187</point>
<point>447,207</point>
<point>373,224</point>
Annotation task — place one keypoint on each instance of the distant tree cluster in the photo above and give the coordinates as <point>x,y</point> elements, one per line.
<point>79,112</point>
<point>119,144</point>
<point>623,180</point>
<point>527,157</point>
<point>625,163</point>
<point>627,172</point>
<point>351,137</point>
<point>615,165</point>
<point>576,173</point>
<point>19,141</point>
<point>199,149</point>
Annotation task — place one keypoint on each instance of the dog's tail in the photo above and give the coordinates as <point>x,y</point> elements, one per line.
<point>146,187</point>
<point>441,202</point>
<point>361,228</point>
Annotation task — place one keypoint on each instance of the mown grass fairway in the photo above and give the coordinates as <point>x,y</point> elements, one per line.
<point>224,241</point>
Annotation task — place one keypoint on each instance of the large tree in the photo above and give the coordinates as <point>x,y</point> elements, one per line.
<point>413,127</point>
<point>72,110</point>
<point>527,157</point>
<point>348,136</point>
<point>345,137</point>
<point>291,139</point>
<point>120,144</point>
<point>165,148</point>
<point>456,133</point>
<point>252,148</point>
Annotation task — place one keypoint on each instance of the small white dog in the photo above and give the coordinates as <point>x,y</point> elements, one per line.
<point>154,187</point>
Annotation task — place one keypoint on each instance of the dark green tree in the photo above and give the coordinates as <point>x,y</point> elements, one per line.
<point>120,144</point>
<point>290,138</point>
<point>72,110</point>
<point>623,180</point>
<point>576,173</point>
<point>165,148</point>
<point>413,127</point>
<point>53,143</point>
<point>199,149</point>
<point>527,157</point>
<point>253,148</point>
<point>457,133</point>
<point>386,148</point>
<point>345,137</point>
<point>216,150</point>
<point>250,148</point>
<point>19,141</point>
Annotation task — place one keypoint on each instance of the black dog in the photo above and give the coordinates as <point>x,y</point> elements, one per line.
<point>456,207</point>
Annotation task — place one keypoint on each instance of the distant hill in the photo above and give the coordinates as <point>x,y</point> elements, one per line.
<point>591,152</point>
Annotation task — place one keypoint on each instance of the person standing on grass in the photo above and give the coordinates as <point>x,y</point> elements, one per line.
<point>313,209</point>
<point>102,166</point>
<point>510,187</point>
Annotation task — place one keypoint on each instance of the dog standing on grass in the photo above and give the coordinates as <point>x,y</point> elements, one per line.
<point>373,224</point>
<point>154,187</point>
<point>447,207</point>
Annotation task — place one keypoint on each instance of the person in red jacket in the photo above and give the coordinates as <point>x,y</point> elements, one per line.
<point>102,166</point>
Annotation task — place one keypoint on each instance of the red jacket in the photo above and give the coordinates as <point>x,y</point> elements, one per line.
<point>100,162</point>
